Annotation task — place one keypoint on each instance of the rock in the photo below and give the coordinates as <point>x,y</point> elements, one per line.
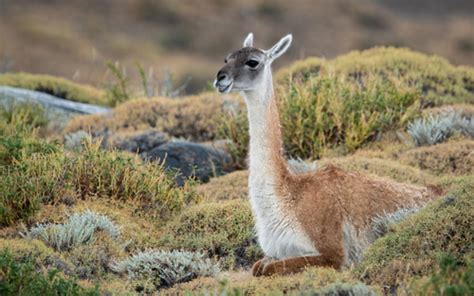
<point>142,142</point>
<point>49,101</point>
<point>191,160</point>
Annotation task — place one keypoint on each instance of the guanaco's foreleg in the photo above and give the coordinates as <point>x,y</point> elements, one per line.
<point>292,265</point>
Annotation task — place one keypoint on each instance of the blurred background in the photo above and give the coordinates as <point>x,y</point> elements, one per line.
<point>187,40</point>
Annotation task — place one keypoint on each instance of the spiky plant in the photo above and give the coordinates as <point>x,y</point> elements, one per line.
<point>79,229</point>
<point>166,268</point>
<point>436,129</point>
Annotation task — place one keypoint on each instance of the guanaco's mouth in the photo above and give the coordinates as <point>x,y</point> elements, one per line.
<point>223,89</point>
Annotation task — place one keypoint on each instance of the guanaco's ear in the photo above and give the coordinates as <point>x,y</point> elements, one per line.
<point>248,42</point>
<point>278,49</point>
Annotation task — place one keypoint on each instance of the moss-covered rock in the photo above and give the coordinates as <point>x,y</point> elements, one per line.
<point>413,246</point>
<point>55,86</point>
<point>223,230</point>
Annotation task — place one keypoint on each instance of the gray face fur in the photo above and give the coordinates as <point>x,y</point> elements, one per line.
<point>245,69</point>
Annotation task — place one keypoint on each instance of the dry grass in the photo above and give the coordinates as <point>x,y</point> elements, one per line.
<point>230,186</point>
<point>311,281</point>
<point>191,117</point>
<point>454,157</point>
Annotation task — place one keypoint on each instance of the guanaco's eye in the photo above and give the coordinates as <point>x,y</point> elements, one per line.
<point>225,60</point>
<point>252,63</point>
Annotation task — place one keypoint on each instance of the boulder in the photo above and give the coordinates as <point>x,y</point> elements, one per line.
<point>191,160</point>
<point>142,142</point>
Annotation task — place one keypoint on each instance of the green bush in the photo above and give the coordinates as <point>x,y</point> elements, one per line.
<point>55,86</point>
<point>412,248</point>
<point>37,178</point>
<point>223,230</point>
<point>21,278</point>
<point>450,278</point>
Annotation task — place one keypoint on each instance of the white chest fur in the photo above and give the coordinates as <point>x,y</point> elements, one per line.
<point>279,235</point>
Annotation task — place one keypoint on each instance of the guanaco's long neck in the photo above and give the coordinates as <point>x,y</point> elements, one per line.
<point>268,166</point>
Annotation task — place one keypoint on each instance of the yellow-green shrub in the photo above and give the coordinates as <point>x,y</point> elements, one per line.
<point>413,246</point>
<point>434,77</point>
<point>223,230</point>
<point>55,86</point>
<point>39,178</point>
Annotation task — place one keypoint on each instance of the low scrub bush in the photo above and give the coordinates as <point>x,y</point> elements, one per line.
<point>413,246</point>
<point>21,278</point>
<point>80,228</point>
<point>164,269</point>
<point>453,157</point>
<point>55,86</point>
<point>436,129</point>
<point>449,278</point>
<point>42,177</point>
<point>224,230</point>
<point>191,117</point>
<point>437,81</point>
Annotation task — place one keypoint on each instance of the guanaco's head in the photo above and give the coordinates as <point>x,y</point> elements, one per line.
<point>246,68</point>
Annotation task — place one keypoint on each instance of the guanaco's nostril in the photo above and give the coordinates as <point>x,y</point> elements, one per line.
<point>221,76</point>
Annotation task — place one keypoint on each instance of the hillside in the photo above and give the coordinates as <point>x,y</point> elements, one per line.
<point>74,39</point>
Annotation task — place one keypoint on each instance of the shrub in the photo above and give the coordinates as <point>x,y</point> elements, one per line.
<point>21,278</point>
<point>412,247</point>
<point>78,229</point>
<point>55,86</point>
<point>437,81</point>
<point>224,230</point>
<point>450,278</point>
<point>32,115</point>
<point>453,157</point>
<point>45,178</point>
<point>164,269</point>
<point>438,128</point>
<point>191,117</point>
